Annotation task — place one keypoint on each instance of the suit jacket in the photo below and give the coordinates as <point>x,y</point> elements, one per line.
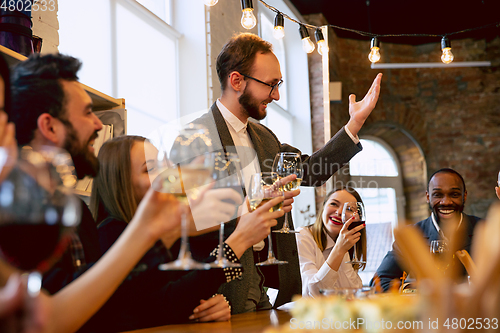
<point>318,168</point>
<point>390,269</point>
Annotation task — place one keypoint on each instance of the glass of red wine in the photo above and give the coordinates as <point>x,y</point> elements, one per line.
<point>37,212</point>
<point>356,210</point>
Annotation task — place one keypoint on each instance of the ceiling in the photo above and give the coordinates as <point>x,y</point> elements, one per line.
<point>382,17</point>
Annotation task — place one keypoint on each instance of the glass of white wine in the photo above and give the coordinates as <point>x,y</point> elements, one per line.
<point>263,187</point>
<point>439,248</point>
<point>189,168</point>
<point>286,164</point>
<point>226,175</point>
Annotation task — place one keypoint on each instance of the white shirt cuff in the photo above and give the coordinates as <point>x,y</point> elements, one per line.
<point>355,139</point>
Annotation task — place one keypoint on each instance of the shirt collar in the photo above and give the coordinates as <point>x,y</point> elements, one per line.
<point>230,118</point>
<point>438,228</point>
<point>329,242</point>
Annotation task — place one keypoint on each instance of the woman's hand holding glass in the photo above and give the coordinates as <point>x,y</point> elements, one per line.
<point>254,226</point>
<point>349,237</point>
<point>353,213</point>
<point>264,187</point>
<point>160,213</point>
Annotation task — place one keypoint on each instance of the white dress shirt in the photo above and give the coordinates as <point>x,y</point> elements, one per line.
<point>249,158</point>
<point>316,273</point>
<point>239,134</point>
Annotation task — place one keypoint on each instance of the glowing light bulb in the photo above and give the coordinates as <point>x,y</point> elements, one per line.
<point>211,3</point>
<point>374,55</point>
<point>279,32</point>
<point>323,47</point>
<point>279,26</point>
<point>307,44</point>
<point>322,44</point>
<point>248,20</point>
<point>447,56</point>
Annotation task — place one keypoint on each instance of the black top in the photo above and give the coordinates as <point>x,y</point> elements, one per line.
<point>149,297</point>
<point>64,271</point>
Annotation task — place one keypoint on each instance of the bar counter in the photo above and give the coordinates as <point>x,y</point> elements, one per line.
<point>251,322</point>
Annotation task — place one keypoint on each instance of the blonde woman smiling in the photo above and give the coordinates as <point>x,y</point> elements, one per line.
<point>325,247</point>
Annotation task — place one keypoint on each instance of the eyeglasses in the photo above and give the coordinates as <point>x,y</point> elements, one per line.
<point>273,86</point>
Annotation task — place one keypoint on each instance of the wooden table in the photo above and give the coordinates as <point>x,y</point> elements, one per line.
<point>251,322</point>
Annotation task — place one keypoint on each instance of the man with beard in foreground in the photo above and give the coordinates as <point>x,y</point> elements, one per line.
<point>446,195</point>
<point>51,108</point>
<point>250,77</point>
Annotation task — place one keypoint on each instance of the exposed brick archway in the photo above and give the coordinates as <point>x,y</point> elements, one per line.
<point>412,163</point>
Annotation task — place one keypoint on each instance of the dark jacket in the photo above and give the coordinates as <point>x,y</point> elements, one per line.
<point>390,269</point>
<point>318,168</point>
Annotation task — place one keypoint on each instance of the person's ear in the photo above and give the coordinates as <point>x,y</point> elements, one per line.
<point>236,81</point>
<point>465,196</point>
<point>51,128</point>
<point>427,196</point>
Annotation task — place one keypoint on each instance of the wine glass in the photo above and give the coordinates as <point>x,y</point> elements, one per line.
<point>37,212</point>
<point>184,175</point>
<point>263,187</point>
<point>356,209</point>
<point>226,175</point>
<point>439,248</point>
<point>286,164</point>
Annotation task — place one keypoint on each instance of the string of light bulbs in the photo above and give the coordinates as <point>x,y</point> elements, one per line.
<point>248,21</point>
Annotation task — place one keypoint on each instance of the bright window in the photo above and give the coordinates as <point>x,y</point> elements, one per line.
<point>374,173</point>
<point>128,51</point>
<point>374,160</point>
<point>161,8</point>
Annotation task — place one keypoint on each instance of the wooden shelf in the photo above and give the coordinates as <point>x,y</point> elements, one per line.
<point>100,100</point>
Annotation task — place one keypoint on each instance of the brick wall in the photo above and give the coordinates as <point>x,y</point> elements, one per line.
<point>433,118</point>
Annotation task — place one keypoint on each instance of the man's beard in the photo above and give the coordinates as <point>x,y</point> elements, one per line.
<point>437,207</point>
<point>250,106</point>
<point>86,163</point>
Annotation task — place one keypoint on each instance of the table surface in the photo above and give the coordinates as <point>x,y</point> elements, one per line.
<point>251,322</point>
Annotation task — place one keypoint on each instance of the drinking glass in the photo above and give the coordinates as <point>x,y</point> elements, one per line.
<point>286,164</point>
<point>263,187</point>
<point>356,209</point>
<point>37,212</point>
<point>439,248</point>
<point>189,168</point>
<point>226,175</point>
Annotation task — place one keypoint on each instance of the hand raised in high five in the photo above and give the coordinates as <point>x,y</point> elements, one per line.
<point>359,111</point>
